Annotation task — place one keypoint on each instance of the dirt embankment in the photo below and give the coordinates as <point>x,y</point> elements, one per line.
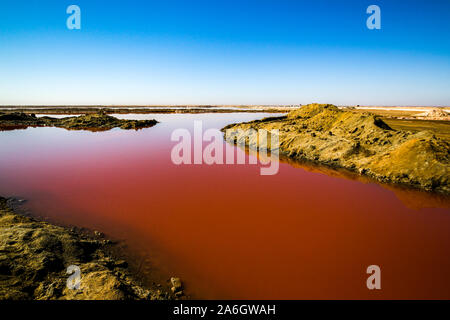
<point>35,255</point>
<point>360,142</point>
<point>92,122</point>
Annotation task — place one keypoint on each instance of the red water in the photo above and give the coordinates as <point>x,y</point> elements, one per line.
<point>227,231</point>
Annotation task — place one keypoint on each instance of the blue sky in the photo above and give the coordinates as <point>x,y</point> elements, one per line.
<point>225,52</point>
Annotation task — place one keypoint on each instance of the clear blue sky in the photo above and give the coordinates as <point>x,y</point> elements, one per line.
<point>225,52</point>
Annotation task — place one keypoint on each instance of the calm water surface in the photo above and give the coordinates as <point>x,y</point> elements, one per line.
<point>227,231</point>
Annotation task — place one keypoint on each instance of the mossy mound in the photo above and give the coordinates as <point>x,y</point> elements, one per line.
<point>359,142</point>
<point>92,122</point>
<point>34,257</point>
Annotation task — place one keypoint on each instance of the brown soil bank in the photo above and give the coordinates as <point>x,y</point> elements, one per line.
<point>360,142</point>
<point>92,122</point>
<point>34,257</point>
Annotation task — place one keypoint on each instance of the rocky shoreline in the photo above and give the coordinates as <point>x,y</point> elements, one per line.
<point>93,122</point>
<point>359,142</point>
<point>35,256</point>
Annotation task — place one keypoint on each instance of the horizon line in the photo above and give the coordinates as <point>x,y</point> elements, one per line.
<point>207,105</point>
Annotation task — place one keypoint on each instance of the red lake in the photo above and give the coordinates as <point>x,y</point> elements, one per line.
<point>225,230</point>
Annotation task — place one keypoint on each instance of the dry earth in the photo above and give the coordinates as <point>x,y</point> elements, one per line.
<point>360,142</point>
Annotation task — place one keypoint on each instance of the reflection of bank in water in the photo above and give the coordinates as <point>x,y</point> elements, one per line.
<point>412,198</point>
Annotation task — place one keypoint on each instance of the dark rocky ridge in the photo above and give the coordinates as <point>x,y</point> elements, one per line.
<point>360,142</point>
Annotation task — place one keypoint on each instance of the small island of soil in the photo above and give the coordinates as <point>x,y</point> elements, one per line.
<point>92,122</point>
